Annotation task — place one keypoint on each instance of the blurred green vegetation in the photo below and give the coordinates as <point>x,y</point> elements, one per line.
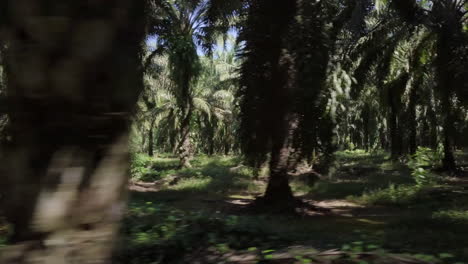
<point>374,206</point>
<point>204,216</point>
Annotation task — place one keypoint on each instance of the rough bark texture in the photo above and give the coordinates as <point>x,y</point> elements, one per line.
<point>184,148</point>
<point>283,123</point>
<point>185,153</point>
<point>74,75</point>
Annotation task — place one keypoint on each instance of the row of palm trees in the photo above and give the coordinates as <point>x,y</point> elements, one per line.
<point>312,74</point>
<point>373,74</point>
<point>410,87</point>
<point>212,127</point>
<point>189,91</point>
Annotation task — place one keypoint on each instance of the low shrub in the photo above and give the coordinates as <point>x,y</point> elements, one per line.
<point>421,164</point>
<point>394,195</point>
<point>451,216</point>
<point>140,166</point>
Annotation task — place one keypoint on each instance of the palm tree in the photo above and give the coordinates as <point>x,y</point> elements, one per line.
<point>266,100</point>
<point>217,85</point>
<point>157,83</point>
<point>213,104</point>
<point>72,81</point>
<point>446,19</point>
<point>215,91</point>
<point>180,28</point>
<point>286,56</point>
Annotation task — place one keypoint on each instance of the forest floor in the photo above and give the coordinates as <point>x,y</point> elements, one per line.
<point>367,204</point>
<point>368,210</point>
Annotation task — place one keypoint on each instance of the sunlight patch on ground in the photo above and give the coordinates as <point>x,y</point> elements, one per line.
<point>372,222</point>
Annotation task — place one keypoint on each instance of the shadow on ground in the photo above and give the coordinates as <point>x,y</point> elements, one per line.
<point>205,218</point>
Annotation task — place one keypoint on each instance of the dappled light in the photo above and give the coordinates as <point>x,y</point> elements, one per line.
<point>234,132</point>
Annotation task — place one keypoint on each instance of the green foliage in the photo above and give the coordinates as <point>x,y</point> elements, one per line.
<point>195,215</point>
<point>364,75</point>
<point>192,184</point>
<point>213,116</point>
<point>353,153</point>
<point>208,174</point>
<point>423,177</point>
<point>361,74</point>
<point>399,195</point>
<point>189,98</point>
<point>420,164</point>
<point>155,231</point>
<point>452,216</point>
<point>140,166</point>
<point>425,157</point>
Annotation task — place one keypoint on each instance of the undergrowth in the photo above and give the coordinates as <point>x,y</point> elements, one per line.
<point>394,195</point>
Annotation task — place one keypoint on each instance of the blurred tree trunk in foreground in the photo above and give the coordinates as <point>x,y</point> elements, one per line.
<point>73,77</point>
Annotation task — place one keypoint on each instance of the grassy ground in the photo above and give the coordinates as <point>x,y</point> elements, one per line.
<point>371,205</point>
<point>367,204</point>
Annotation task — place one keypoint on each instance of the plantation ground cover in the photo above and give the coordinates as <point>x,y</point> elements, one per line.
<point>367,204</point>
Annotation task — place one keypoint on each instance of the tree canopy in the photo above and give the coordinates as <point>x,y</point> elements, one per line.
<point>90,90</point>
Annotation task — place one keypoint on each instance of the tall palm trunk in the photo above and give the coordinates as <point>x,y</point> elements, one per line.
<point>432,122</point>
<point>366,129</point>
<point>73,78</point>
<point>446,56</point>
<point>278,190</point>
<point>151,139</point>
<point>395,136</point>
<point>448,162</point>
<point>395,92</point>
<point>383,136</point>
<point>269,77</point>
<point>227,149</point>
<point>283,121</point>
<point>411,121</point>
<point>184,147</point>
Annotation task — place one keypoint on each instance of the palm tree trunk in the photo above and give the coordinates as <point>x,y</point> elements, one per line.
<point>73,79</point>
<point>272,20</point>
<point>227,149</point>
<point>411,121</point>
<point>184,147</point>
<point>446,56</point>
<point>413,144</point>
<point>433,134</point>
<point>395,137</point>
<point>211,149</point>
<point>366,129</point>
<point>278,190</point>
<point>143,141</point>
<point>383,135</point>
<point>394,125</point>
<point>151,139</point>
<point>448,162</point>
